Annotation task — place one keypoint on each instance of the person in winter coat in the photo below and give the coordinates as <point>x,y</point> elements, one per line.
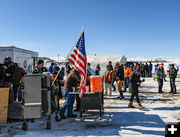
<point>108,78</point>
<point>70,85</point>
<point>142,66</point>
<point>119,78</point>
<point>97,70</point>
<point>56,93</point>
<point>127,74</point>
<point>110,65</point>
<point>146,70</point>
<point>160,78</point>
<point>172,75</point>
<point>134,84</point>
<point>150,69</point>
<point>39,69</point>
<point>18,74</point>
<point>51,68</point>
<point>114,79</point>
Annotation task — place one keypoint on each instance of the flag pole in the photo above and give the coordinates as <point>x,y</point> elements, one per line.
<point>69,53</point>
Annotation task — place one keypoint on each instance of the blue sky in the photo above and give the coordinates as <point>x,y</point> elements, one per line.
<point>145,28</point>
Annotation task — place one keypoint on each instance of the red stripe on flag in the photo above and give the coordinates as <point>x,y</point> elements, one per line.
<point>78,62</point>
<point>76,66</point>
<point>82,58</point>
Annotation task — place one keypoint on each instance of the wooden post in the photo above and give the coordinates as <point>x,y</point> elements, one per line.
<point>4,98</point>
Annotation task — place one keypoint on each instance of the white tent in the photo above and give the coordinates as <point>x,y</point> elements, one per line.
<point>103,60</point>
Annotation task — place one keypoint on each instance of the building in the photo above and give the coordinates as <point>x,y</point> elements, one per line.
<point>23,57</point>
<point>103,60</point>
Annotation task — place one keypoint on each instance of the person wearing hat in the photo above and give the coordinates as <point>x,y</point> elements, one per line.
<point>71,83</point>
<point>134,84</point>
<point>10,71</point>
<point>40,67</point>
<point>160,78</point>
<point>56,93</point>
<point>108,78</point>
<point>172,75</point>
<point>110,65</point>
<point>119,78</point>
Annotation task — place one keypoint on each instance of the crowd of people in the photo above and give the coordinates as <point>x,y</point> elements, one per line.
<point>128,76</point>
<point>11,73</point>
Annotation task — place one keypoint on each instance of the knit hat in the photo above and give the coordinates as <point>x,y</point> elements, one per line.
<point>40,61</point>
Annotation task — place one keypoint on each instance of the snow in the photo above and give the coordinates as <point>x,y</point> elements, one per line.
<point>118,119</point>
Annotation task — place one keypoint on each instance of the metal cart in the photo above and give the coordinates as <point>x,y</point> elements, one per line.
<point>36,98</point>
<point>92,101</point>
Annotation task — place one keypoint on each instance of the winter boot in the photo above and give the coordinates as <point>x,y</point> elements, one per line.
<point>140,106</point>
<point>131,105</point>
<point>121,94</point>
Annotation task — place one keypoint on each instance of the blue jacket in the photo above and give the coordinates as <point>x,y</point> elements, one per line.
<point>51,69</point>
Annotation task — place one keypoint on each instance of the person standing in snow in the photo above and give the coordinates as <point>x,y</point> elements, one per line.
<point>172,75</point>
<point>108,78</point>
<point>134,84</point>
<point>150,69</point>
<point>119,78</point>
<point>70,85</point>
<point>160,78</point>
<point>114,79</point>
<point>127,74</point>
<point>146,70</point>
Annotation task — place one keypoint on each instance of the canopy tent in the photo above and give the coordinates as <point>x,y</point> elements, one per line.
<point>103,60</point>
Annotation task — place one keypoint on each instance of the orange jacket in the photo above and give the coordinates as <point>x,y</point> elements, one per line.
<point>127,72</point>
<point>130,70</point>
<point>109,77</point>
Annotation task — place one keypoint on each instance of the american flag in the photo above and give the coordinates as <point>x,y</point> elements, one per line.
<point>79,61</point>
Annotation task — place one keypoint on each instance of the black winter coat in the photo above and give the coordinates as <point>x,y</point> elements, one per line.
<point>134,79</point>
<point>172,73</point>
<point>120,73</point>
<point>2,73</point>
<point>160,74</point>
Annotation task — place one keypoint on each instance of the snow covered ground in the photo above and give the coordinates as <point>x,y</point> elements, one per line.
<point>118,119</point>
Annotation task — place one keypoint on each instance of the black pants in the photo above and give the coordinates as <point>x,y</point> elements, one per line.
<point>77,102</point>
<point>160,85</point>
<point>172,84</point>
<point>16,92</point>
<point>137,97</point>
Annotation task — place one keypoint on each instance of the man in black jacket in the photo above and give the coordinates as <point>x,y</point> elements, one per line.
<point>39,69</point>
<point>119,78</point>
<point>172,75</point>
<point>160,78</point>
<point>134,84</point>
